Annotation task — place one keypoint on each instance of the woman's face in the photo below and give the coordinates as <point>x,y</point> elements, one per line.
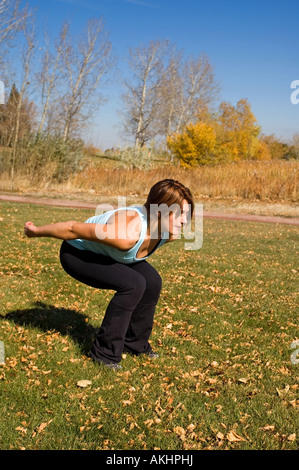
<point>174,221</point>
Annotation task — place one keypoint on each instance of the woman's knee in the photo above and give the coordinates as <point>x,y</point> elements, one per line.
<point>153,287</point>
<point>155,279</point>
<point>156,285</point>
<point>133,286</point>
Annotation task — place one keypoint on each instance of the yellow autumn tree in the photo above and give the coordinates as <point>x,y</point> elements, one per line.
<point>229,135</point>
<point>196,145</point>
<point>277,149</point>
<point>237,130</point>
<point>260,150</point>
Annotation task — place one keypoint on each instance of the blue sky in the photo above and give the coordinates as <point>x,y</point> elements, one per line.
<point>252,45</point>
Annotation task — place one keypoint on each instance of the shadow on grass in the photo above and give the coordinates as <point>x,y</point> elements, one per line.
<point>65,321</point>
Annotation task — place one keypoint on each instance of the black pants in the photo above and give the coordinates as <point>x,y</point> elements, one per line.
<point>128,320</point>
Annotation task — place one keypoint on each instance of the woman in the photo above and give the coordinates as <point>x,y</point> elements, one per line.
<point>110,251</point>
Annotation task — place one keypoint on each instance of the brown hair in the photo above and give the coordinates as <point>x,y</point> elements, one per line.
<point>170,192</point>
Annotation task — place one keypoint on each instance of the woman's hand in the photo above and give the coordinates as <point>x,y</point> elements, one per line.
<point>30,230</point>
<point>61,230</point>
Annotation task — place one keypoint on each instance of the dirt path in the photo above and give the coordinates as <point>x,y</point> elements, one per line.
<point>207,214</point>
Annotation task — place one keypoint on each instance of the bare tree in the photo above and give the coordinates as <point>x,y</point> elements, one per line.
<point>171,92</point>
<point>48,77</point>
<point>27,58</point>
<point>142,93</point>
<point>200,89</point>
<point>166,93</point>
<point>12,19</point>
<point>83,66</point>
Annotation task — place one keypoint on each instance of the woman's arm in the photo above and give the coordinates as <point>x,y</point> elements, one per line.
<point>61,230</point>
<point>114,234</point>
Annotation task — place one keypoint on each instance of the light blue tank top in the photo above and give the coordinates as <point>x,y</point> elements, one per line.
<point>125,257</point>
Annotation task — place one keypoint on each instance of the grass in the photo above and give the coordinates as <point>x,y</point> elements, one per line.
<point>247,180</point>
<point>223,328</point>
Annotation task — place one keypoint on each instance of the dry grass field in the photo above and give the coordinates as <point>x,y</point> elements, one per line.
<point>265,188</point>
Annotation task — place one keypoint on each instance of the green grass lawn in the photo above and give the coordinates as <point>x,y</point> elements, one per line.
<point>224,325</point>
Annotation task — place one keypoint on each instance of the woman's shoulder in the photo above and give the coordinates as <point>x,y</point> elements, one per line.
<point>129,219</point>
<point>125,224</point>
<point>111,215</point>
<point>126,221</point>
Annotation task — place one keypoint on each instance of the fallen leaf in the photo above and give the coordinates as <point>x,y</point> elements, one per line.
<point>232,436</point>
<point>191,427</point>
<point>268,428</point>
<point>12,362</point>
<point>283,392</point>
<point>43,426</point>
<point>211,381</point>
<point>22,430</point>
<point>180,432</point>
<point>243,380</point>
<point>149,422</point>
<point>189,357</point>
<point>127,402</point>
<point>84,383</point>
<point>214,364</point>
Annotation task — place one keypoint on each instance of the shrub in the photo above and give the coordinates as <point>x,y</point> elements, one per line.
<point>52,158</point>
<point>135,157</point>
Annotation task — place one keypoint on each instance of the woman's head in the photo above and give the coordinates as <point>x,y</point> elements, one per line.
<point>170,198</point>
